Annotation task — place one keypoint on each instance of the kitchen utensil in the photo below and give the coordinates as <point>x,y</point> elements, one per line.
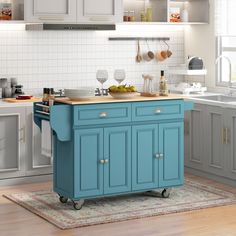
<point>168,52</point>
<point>14,100</point>
<point>18,90</point>
<point>24,97</point>
<point>119,76</point>
<point>139,56</point>
<point>13,82</point>
<point>102,77</point>
<point>150,53</point>
<point>7,92</point>
<point>147,85</point>
<point>159,56</point>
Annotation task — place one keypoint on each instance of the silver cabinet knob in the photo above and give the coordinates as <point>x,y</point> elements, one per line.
<point>161,155</point>
<point>157,156</point>
<point>158,111</point>
<point>102,161</point>
<point>103,115</point>
<point>106,161</point>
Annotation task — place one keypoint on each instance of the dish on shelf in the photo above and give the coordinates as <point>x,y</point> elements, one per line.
<point>121,95</point>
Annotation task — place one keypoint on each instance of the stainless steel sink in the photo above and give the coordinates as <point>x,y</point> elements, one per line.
<point>219,98</point>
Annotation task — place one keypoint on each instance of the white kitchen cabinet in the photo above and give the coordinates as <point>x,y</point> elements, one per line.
<point>50,11</point>
<point>91,11</point>
<point>36,163</point>
<point>73,11</point>
<point>20,145</point>
<point>12,142</point>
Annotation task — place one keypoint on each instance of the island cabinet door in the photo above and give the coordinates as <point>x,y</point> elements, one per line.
<point>171,160</point>
<point>88,163</point>
<point>117,158</point>
<point>144,157</point>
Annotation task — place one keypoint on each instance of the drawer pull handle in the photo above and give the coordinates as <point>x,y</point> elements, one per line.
<point>102,161</point>
<point>103,115</point>
<point>161,156</point>
<point>106,161</point>
<point>158,111</point>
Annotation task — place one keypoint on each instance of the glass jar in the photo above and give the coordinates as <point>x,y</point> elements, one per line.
<point>132,15</point>
<point>149,14</point>
<point>126,16</point>
<point>143,16</point>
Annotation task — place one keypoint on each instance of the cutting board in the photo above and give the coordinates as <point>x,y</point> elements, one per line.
<point>13,100</point>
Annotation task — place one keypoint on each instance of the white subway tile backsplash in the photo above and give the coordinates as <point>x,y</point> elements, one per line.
<point>63,59</point>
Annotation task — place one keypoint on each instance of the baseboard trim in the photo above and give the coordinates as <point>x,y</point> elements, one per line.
<point>26,180</point>
<point>207,175</point>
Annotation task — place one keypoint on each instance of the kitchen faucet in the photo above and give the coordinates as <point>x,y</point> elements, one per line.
<point>230,71</point>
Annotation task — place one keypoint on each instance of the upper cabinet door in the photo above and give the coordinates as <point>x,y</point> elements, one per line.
<point>50,10</point>
<point>91,11</point>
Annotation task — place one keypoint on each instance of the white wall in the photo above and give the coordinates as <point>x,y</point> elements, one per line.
<point>200,41</point>
<point>63,59</point>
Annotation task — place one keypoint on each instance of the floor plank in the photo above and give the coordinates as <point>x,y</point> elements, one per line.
<point>217,221</point>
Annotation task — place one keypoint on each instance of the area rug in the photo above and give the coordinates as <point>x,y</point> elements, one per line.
<point>191,196</point>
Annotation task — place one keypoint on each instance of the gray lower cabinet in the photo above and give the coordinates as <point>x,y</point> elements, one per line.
<point>230,142</point>
<point>210,140</point>
<point>194,135</point>
<point>20,145</point>
<point>215,146</point>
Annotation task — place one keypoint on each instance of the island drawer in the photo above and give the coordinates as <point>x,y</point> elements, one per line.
<point>102,114</point>
<point>145,111</point>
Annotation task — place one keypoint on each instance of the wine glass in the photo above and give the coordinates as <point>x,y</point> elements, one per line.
<point>119,76</point>
<point>102,77</point>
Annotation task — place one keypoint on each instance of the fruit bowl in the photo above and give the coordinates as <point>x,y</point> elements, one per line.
<point>124,95</point>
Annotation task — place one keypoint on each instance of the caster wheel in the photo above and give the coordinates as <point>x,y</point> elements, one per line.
<point>78,205</point>
<point>165,193</point>
<point>63,199</point>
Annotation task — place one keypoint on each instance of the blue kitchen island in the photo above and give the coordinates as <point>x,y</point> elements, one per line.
<point>104,146</point>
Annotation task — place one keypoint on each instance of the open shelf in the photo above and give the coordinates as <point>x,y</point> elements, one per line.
<point>198,11</point>
<point>17,12</point>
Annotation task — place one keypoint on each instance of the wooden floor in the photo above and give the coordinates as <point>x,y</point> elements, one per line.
<point>16,221</point>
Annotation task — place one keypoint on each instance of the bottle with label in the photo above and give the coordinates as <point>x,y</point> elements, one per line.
<point>163,91</point>
<point>45,99</point>
<point>51,97</point>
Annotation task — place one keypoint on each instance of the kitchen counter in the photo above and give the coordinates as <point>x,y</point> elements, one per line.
<point>18,104</point>
<point>199,100</point>
<point>109,99</point>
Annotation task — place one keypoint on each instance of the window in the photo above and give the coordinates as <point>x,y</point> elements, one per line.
<point>226,40</point>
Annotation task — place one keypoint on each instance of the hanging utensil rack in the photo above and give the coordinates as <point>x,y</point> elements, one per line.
<point>138,38</point>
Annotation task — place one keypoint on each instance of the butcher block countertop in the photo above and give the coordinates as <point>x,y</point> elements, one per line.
<point>109,99</point>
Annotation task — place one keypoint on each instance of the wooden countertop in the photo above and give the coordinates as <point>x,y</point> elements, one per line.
<point>109,99</point>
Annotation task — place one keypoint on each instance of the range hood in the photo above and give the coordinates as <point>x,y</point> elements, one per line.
<point>50,26</point>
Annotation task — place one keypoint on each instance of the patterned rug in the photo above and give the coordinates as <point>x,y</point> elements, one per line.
<point>191,196</point>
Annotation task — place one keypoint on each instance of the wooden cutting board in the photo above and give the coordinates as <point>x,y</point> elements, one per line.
<point>13,100</point>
